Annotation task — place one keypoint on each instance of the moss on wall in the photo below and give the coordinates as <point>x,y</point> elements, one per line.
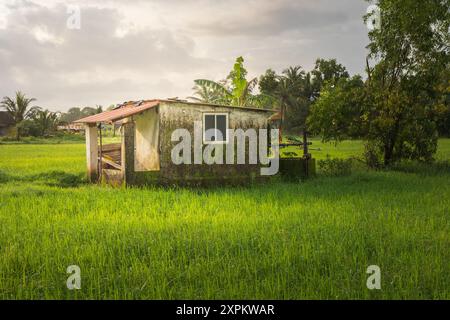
<point>177,115</point>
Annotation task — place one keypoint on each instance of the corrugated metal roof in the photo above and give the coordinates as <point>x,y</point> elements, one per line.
<point>134,107</point>
<point>124,111</point>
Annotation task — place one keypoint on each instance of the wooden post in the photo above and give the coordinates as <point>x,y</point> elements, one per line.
<point>100,156</point>
<point>305,145</point>
<point>92,152</point>
<point>127,152</point>
<point>306,152</point>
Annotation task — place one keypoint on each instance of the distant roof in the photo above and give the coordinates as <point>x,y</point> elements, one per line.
<point>130,108</point>
<point>6,119</point>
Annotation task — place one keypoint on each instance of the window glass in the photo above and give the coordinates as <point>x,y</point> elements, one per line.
<point>221,127</point>
<point>215,127</point>
<point>209,127</point>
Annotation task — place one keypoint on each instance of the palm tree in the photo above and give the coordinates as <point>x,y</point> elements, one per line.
<point>295,75</point>
<point>208,91</point>
<point>19,109</point>
<point>46,120</point>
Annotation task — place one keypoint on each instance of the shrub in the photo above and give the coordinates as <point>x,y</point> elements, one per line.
<point>335,167</point>
<point>422,168</point>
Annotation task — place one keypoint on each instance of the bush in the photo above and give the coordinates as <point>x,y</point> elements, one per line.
<point>373,156</point>
<point>422,168</point>
<point>335,167</point>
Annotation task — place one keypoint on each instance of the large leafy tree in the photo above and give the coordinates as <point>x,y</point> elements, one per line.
<point>398,111</point>
<point>410,50</point>
<point>20,109</point>
<point>337,114</point>
<point>444,104</point>
<point>326,72</point>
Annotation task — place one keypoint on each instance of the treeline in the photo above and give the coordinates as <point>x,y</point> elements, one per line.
<point>35,121</point>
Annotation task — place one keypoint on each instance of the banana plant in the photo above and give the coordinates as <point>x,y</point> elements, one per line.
<point>236,90</point>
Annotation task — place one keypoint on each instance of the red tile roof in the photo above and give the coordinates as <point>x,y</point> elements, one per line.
<point>124,111</point>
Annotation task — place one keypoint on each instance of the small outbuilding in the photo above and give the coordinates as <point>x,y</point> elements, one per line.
<point>167,141</point>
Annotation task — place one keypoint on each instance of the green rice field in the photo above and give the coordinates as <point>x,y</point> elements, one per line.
<point>308,240</point>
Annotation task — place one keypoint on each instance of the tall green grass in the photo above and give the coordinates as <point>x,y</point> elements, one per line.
<point>308,240</point>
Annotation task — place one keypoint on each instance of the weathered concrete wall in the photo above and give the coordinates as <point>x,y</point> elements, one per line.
<point>146,143</point>
<point>178,115</point>
<point>128,151</point>
<point>172,116</point>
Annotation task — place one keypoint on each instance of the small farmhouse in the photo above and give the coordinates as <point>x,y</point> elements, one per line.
<point>6,123</point>
<point>167,141</point>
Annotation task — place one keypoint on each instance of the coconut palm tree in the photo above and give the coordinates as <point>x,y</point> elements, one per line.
<point>20,109</point>
<point>46,120</point>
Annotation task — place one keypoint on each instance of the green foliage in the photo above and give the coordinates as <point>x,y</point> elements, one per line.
<point>294,91</point>
<point>77,113</point>
<point>420,168</point>
<point>209,91</point>
<point>443,105</point>
<point>335,167</point>
<point>338,113</point>
<point>31,128</point>
<point>268,82</point>
<point>326,72</point>
<point>239,84</point>
<point>397,108</point>
<point>235,90</point>
<point>46,121</point>
<point>412,49</point>
<point>20,109</point>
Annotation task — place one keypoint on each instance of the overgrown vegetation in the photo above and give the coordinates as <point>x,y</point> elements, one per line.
<point>335,167</point>
<point>33,121</point>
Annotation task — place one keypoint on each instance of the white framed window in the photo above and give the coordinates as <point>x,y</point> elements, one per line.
<point>215,128</point>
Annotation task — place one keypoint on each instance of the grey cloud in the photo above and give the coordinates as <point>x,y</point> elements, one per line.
<point>265,18</point>
<point>90,65</point>
<point>169,44</point>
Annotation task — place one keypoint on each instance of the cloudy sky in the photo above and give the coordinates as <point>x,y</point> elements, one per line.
<point>123,50</point>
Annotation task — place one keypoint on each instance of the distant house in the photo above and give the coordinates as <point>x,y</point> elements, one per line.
<point>6,123</point>
<point>72,127</point>
<point>145,154</point>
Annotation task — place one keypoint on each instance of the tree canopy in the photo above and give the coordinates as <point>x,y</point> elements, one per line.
<point>397,109</point>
